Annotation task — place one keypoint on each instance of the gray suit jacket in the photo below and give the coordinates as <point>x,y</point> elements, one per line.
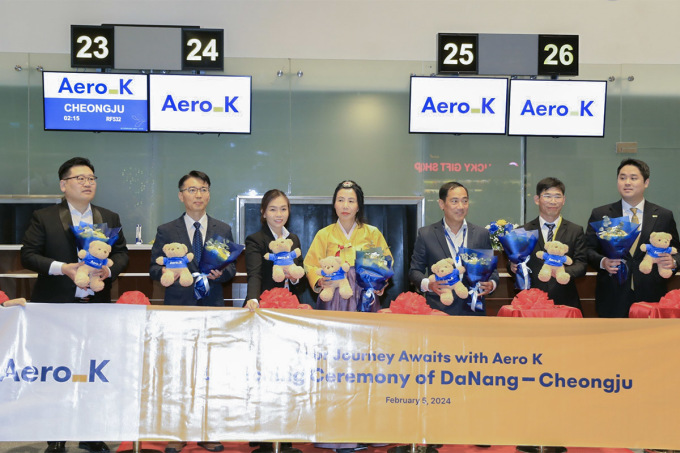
<point>430,247</point>
<point>176,231</point>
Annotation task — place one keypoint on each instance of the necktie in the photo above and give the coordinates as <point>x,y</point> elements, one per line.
<point>634,219</point>
<point>550,231</point>
<point>198,242</point>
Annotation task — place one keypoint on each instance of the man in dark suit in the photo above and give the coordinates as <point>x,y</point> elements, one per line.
<point>550,199</point>
<point>192,229</point>
<point>443,239</point>
<point>194,192</point>
<point>49,248</point>
<point>611,299</point>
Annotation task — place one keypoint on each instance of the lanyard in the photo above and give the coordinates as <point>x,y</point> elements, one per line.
<point>450,241</point>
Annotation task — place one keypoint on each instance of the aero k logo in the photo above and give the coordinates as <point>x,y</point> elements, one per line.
<point>95,88</point>
<point>31,373</point>
<point>205,106</point>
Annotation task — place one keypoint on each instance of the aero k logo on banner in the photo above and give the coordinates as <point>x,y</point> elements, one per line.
<point>95,101</point>
<point>189,103</point>
<point>11,371</point>
<point>458,105</point>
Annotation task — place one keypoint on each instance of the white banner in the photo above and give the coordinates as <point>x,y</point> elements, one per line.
<point>52,355</point>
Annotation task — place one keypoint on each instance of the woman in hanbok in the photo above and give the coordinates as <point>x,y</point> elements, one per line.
<point>343,238</point>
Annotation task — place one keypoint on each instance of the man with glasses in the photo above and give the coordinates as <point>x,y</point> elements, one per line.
<point>49,248</point>
<point>613,300</point>
<point>550,198</point>
<point>192,229</point>
<point>443,239</point>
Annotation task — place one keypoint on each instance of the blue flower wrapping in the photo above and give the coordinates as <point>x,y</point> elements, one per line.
<point>373,270</point>
<point>479,266</point>
<point>87,232</point>
<point>518,245</point>
<point>217,254</point>
<point>616,236</point>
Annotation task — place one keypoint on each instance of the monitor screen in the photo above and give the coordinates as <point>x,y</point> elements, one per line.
<point>458,105</point>
<point>200,103</point>
<point>94,101</point>
<point>557,108</point>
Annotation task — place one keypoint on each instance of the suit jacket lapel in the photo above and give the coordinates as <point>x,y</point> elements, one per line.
<point>536,225</point>
<point>441,238</point>
<point>648,222</point>
<point>67,223</point>
<point>96,215</point>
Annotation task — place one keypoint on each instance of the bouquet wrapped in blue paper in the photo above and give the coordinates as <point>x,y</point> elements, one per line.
<point>373,269</point>
<point>217,254</point>
<point>87,232</point>
<point>616,237</point>
<point>479,266</point>
<point>518,245</point>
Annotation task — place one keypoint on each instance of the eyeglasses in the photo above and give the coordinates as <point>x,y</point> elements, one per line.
<point>549,197</point>
<point>83,179</point>
<point>195,190</point>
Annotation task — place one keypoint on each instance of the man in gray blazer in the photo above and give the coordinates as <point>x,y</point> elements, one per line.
<point>194,193</point>
<point>443,239</point>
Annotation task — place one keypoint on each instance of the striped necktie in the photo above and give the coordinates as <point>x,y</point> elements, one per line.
<point>634,219</point>
<point>550,231</point>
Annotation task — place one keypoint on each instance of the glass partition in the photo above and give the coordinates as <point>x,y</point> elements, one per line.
<point>316,122</point>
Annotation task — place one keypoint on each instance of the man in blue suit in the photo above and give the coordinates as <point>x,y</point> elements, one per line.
<point>443,239</point>
<point>190,228</point>
<point>194,192</point>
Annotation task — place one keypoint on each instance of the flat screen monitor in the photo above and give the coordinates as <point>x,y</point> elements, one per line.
<point>93,101</point>
<point>557,108</point>
<point>200,103</point>
<point>458,105</point>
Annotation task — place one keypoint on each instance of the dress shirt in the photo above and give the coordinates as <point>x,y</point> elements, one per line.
<point>191,229</point>
<point>545,229</point>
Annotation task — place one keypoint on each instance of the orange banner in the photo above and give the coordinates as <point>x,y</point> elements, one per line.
<point>302,375</point>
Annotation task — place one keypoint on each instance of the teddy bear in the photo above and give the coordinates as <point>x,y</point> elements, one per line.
<point>175,261</point>
<point>283,260</point>
<point>554,257</point>
<point>94,258</point>
<point>450,275</point>
<point>660,242</point>
<point>335,270</point>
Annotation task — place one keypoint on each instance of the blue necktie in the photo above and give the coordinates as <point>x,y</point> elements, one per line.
<point>198,242</point>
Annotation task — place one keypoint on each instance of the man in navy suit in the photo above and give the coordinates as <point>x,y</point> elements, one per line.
<point>613,300</point>
<point>550,198</point>
<point>190,228</point>
<point>443,239</point>
<point>49,248</point>
<point>194,193</point>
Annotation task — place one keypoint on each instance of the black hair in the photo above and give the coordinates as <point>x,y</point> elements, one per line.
<point>444,189</point>
<point>549,183</point>
<point>74,162</point>
<point>643,167</point>
<point>194,174</point>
